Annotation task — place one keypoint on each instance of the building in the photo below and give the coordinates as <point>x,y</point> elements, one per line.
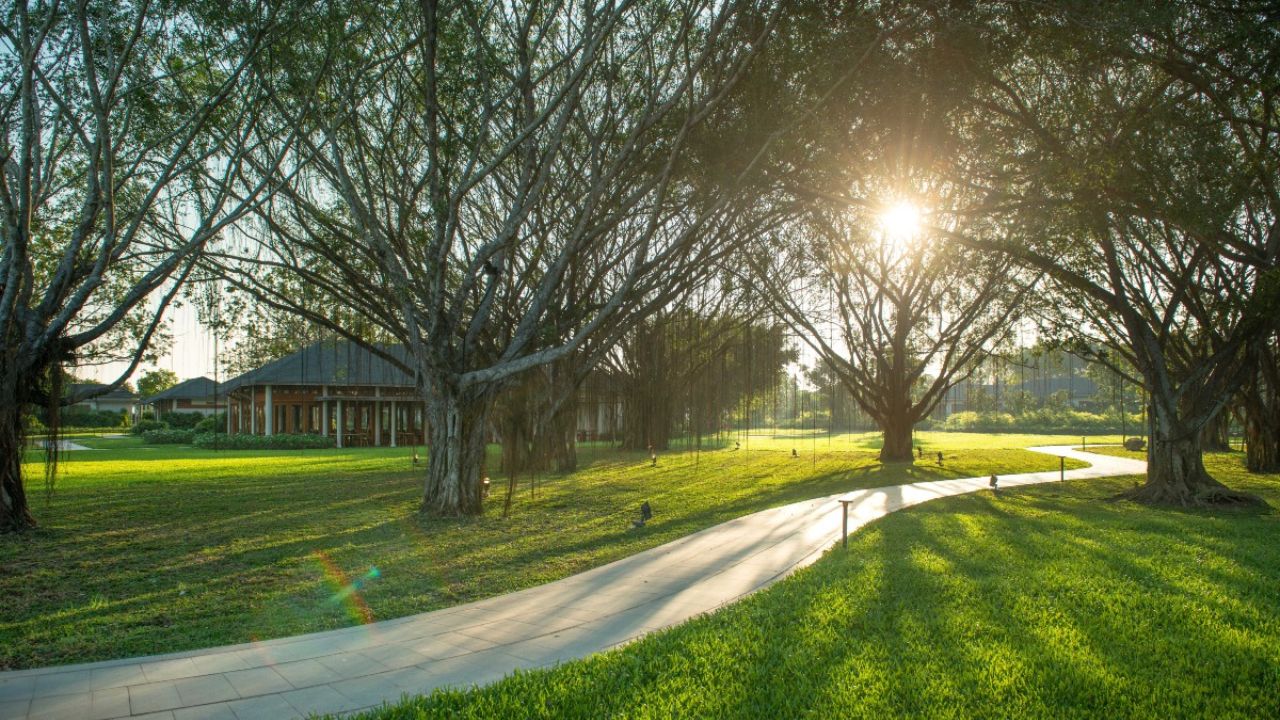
<point>118,400</point>
<point>197,395</point>
<point>332,388</point>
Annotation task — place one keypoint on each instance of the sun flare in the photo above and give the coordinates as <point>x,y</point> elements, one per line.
<point>901,222</point>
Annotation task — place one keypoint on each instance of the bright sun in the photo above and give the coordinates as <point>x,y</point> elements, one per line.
<point>901,222</point>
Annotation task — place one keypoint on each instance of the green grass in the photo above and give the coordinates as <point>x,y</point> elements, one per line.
<point>1048,601</point>
<point>153,549</point>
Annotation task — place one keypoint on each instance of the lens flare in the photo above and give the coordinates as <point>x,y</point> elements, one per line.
<point>347,592</point>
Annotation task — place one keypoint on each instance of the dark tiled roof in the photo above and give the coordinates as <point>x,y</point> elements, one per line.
<point>329,362</point>
<point>86,391</point>
<point>201,388</point>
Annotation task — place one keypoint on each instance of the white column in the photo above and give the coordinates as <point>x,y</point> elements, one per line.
<point>253,410</point>
<point>377,418</point>
<point>228,413</point>
<point>269,413</point>
<point>393,423</point>
<point>341,425</point>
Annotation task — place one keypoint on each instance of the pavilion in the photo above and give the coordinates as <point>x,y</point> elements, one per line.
<point>332,388</point>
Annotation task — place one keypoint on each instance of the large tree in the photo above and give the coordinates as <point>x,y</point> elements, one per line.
<point>1132,150</point>
<point>467,161</point>
<point>122,127</point>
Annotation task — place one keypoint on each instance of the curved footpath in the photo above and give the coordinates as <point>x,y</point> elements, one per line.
<point>362,667</point>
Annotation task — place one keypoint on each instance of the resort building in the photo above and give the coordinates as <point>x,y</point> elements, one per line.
<point>332,388</point>
<point>197,395</point>
<point>118,400</point>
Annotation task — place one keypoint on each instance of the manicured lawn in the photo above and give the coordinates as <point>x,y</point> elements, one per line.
<point>154,549</point>
<point>1049,601</point>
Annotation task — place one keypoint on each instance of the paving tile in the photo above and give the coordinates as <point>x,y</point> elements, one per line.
<point>117,676</point>
<point>394,657</point>
<point>170,669</point>
<point>352,665</point>
<point>366,691</point>
<point>204,690</point>
<point>153,698</point>
<point>266,707</point>
<point>217,711</point>
<point>220,663</point>
<point>18,688</point>
<point>14,708</point>
<point>319,699</point>
<point>257,681</point>
<point>61,707</point>
<point>109,703</point>
<point>163,715</point>
<point>63,683</point>
<point>306,673</point>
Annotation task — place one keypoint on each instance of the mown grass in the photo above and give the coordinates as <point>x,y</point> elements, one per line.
<point>153,549</point>
<point>1048,601</point>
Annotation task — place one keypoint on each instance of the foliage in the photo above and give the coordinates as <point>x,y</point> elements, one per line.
<point>92,418</point>
<point>166,436</point>
<point>170,548</point>
<point>1135,444</point>
<point>156,381</point>
<point>147,425</point>
<point>1050,419</point>
<point>215,423</point>
<point>183,420</point>
<point>245,441</point>
<point>1042,602</point>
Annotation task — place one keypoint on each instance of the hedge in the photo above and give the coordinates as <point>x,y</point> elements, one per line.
<point>143,426</point>
<point>165,436</point>
<point>210,441</point>
<point>183,420</point>
<point>1045,420</point>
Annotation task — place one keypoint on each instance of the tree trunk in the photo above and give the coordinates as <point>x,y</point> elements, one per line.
<point>1216,436</point>
<point>1262,433</point>
<point>897,439</point>
<point>1175,467</point>
<point>457,454</point>
<point>15,513</point>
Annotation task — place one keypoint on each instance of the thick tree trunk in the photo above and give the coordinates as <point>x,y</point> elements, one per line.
<point>897,439</point>
<point>1262,434</point>
<point>1175,467</point>
<point>457,455</point>
<point>15,513</point>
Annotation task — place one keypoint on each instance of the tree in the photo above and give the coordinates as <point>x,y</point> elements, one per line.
<point>123,131</point>
<point>156,381</point>
<point>1132,150</point>
<point>1260,403</point>
<point>466,161</point>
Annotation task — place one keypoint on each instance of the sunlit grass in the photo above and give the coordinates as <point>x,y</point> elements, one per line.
<point>152,549</point>
<point>1047,601</point>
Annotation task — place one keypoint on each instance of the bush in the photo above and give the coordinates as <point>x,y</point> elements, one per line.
<point>215,423</point>
<point>209,441</point>
<point>1043,420</point>
<point>143,426</point>
<point>89,418</point>
<point>1135,444</point>
<point>165,436</point>
<point>183,420</point>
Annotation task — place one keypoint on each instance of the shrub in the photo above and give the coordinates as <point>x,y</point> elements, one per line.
<point>143,426</point>
<point>34,426</point>
<point>1135,444</point>
<point>209,441</point>
<point>165,436</point>
<point>89,418</point>
<point>183,420</point>
<point>215,423</point>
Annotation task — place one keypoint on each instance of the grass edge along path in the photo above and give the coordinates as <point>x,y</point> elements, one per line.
<point>1047,601</point>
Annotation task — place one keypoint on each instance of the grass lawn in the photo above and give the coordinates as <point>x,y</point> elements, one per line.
<point>1048,601</point>
<point>153,549</point>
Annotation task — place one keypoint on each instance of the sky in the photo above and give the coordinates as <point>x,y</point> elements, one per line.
<point>190,354</point>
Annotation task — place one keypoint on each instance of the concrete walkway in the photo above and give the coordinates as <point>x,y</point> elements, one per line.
<point>362,667</point>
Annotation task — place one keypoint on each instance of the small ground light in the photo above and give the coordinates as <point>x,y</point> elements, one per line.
<point>939,457</point>
<point>646,513</point>
<point>995,483</point>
